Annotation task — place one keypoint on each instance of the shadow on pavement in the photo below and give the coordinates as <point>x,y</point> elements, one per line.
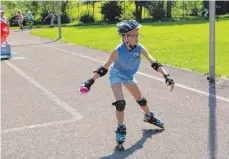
<point>5,59</point>
<point>138,145</point>
<point>212,121</point>
<point>36,43</point>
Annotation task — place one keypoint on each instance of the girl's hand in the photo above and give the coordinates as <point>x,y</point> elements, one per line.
<point>169,81</point>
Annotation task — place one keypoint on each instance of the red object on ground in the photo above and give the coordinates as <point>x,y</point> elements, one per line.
<point>4,31</point>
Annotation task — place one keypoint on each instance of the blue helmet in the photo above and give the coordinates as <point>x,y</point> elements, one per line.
<point>126,26</point>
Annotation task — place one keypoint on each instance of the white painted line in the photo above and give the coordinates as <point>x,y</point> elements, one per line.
<point>71,52</point>
<point>50,95</point>
<point>74,53</point>
<point>37,126</point>
<point>17,58</point>
<point>187,88</point>
<point>144,74</point>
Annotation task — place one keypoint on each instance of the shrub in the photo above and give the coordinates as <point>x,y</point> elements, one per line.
<point>65,18</point>
<point>157,13</point>
<point>111,11</point>
<point>194,12</point>
<point>87,18</point>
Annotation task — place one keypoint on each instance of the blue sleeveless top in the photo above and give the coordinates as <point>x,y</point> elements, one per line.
<point>128,62</point>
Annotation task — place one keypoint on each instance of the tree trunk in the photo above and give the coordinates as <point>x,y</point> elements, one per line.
<point>93,3</point>
<point>206,4</point>
<point>138,11</point>
<point>161,4</point>
<point>169,11</point>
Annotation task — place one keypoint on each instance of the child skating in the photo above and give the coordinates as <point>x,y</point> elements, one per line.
<point>20,20</point>
<point>124,62</point>
<point>51,16</point>
<point>30,19</point>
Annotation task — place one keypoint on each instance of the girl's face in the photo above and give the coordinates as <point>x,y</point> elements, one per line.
<point>133,37</point>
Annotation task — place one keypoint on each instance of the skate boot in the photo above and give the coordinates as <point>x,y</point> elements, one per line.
<point>153,120</point>
<point>120,136</point>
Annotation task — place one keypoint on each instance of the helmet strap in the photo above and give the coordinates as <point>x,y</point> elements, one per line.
<point>126,42</point>
<point>132,47</point>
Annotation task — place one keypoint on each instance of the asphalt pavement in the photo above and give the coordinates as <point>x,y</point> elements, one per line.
<point>43,116</point>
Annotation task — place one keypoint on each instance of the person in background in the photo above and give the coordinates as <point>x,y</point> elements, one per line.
<point>20,19</point>
<point>30,18</point>
<point>51,15</point>
<point>3,18</point>
<point>206,13</point>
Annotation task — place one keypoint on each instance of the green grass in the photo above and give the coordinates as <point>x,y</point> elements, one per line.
<point>183,44</point>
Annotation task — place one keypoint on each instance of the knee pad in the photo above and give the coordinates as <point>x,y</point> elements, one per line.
<point>142,102</point>
<point>120,105</point>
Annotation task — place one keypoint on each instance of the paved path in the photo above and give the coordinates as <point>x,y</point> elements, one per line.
<point>44,116</point>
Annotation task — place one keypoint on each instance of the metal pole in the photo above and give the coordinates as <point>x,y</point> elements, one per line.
<point>212,41</point>
<point>59,19</point>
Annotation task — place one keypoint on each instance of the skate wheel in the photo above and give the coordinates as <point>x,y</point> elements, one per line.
<point>119,147</point>
<point>162,127</point>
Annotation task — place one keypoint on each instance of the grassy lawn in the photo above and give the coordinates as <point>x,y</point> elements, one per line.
<point>181,44</point>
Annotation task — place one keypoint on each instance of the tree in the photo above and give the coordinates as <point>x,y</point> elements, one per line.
<point>93,7</point>
<point>138,9</point>
<point>64,16</point>
<point>10,6</point>
<point>206,4</point>
<point>111,11</point>
<point>156,9</point>
<point>64,7</point>
<point>35,6</point>
<point>169,11</point>
<point>88,7</point>
<point>222,7</point>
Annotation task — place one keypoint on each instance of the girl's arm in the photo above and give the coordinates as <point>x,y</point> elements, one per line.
<point>112,58</point>
<point>158,67</point>
<point>99,72</point>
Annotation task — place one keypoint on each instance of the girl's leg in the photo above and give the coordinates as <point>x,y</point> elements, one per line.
<point>120,128</point>
<point>136,93</point>
<point>22,24</point>
<point>149,116</point>
<point>52,20</point>
<point>117,90</point>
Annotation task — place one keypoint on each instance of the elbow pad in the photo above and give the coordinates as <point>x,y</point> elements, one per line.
<point>101,71</point>
<point>155,65</point>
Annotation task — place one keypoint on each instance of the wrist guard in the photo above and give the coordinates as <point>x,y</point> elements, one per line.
<point>168,79</point>
<point>101,71</point>
<point>155,65</point>
<point>89,83</point>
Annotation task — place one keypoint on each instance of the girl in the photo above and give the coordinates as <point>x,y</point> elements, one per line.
<point>125,61</point>
<point>51,15</point>
<point>30,19</point>
<point>20,19</point>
